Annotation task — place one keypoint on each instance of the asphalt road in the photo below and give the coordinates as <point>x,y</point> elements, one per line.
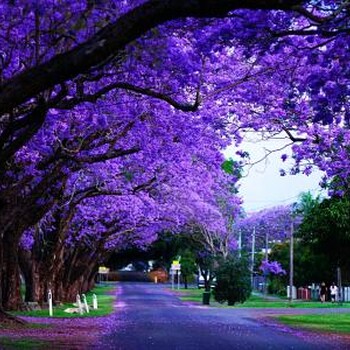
<point>148,316</point>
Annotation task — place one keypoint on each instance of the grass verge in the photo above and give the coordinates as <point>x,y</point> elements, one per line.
<point>23,343</point>
<point>339,323</point>
<point>196,295</point>
<point>105,305</point>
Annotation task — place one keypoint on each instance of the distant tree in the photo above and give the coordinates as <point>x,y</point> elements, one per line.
<point>326,230</point>
<point>188,265</point>
<point>309,266</point>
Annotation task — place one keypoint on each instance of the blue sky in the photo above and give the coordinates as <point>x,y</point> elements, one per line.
<point>262,186</point>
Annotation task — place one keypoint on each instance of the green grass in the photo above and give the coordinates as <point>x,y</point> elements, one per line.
<point>255,301</point>
<point>195,295</point>
<point>105,305</point>
<point>339,323</point>
<point>261,302</point>
<point>23,343</point>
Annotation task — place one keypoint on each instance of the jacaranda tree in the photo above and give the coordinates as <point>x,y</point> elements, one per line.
<point>96,90</point>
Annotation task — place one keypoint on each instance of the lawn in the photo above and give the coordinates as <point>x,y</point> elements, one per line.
<point>105,305</point>
<point>24,343</point>
<point>196,295</point>
<point>339,323</point>
<point>44,331</point>
<point>190,294</point>
<point>336,323</point>
<point>261,302</point>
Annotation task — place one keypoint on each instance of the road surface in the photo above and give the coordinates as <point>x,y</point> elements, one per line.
<point>149,316</point>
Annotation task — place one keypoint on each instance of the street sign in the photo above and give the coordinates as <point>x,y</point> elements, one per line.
<point>175,270</point>
<point>103,269</point>
<point>175,266</point>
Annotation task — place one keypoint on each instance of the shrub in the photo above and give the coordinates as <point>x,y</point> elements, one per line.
<point>232,281</point>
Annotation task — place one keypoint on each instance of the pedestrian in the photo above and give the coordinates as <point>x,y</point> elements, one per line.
<point>323,292</point>
<point>334,291</point>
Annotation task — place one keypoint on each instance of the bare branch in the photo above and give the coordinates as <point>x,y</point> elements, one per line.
<point>292,137</point>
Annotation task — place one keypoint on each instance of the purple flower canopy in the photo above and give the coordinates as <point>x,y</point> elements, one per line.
<point>113,120</point>
<point>271,267</point>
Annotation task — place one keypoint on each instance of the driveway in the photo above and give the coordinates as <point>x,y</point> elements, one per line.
<point>149,316</point>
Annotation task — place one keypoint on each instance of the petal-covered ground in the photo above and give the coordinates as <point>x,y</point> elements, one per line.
<point>151,316</point>
<point>61,333</point>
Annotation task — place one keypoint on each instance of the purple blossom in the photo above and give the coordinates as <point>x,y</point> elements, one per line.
<point>271,267</point>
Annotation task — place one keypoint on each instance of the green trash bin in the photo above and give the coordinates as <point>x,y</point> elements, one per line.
<point>206,298</point>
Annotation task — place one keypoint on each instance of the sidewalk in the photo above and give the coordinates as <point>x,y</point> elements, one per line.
<point>267,296</point>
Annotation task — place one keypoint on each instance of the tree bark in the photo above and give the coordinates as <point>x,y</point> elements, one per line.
<point>113,39</point>
<point>10,279</point>
<point>35,277</point>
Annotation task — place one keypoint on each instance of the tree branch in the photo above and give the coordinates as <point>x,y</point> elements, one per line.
<point>112,39</point>
<point>114,153</point>
<point>69,104</point>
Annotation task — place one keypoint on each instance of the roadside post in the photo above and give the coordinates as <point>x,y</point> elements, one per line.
<point>94,302</point>
<point>49,298</point>
<point>340,295</point>
<point>175,269</point>
<point>172,273</point>
<point>86,306</point>
<point>80,308</point>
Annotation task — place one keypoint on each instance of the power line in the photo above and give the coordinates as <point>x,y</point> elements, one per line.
<point>276,202</point>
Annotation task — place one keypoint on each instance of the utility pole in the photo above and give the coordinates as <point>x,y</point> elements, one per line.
<point>340,296</point>
<point>240,243</point>
<point>291,262</point>
<point>252,259</point>
<point>266,259</point>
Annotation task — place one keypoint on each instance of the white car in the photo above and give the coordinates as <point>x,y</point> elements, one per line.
<point>201,284</point>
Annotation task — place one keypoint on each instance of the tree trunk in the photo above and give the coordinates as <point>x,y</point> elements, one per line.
<point>10,279</point>
<point>5,318</point>
<point>26,266</point>
<point>185,281</point>
<point>34,276</point>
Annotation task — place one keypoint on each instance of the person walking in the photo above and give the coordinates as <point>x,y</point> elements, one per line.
<point>323,292</point>
<point>334,291</point>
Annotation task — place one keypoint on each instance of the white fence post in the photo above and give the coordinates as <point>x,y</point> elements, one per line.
<point>346,293</point>
<point>94,302</point>
<point>49,298</point>
<point>85,303</point>
<point>79,304</point>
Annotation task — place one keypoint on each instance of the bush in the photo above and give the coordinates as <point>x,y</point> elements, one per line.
<point>232,281</point>
<point>277,286</point>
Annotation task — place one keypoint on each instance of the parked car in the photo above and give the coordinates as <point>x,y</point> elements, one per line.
<point>201,284</point>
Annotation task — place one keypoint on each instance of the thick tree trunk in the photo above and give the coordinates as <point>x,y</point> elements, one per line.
<point>10,279</point>
<point>42,267</point>
<point>34,277</point>
<point>79,271</point>
<point>5,318</point>
<point>73,289</point>
<point>26,266</point>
